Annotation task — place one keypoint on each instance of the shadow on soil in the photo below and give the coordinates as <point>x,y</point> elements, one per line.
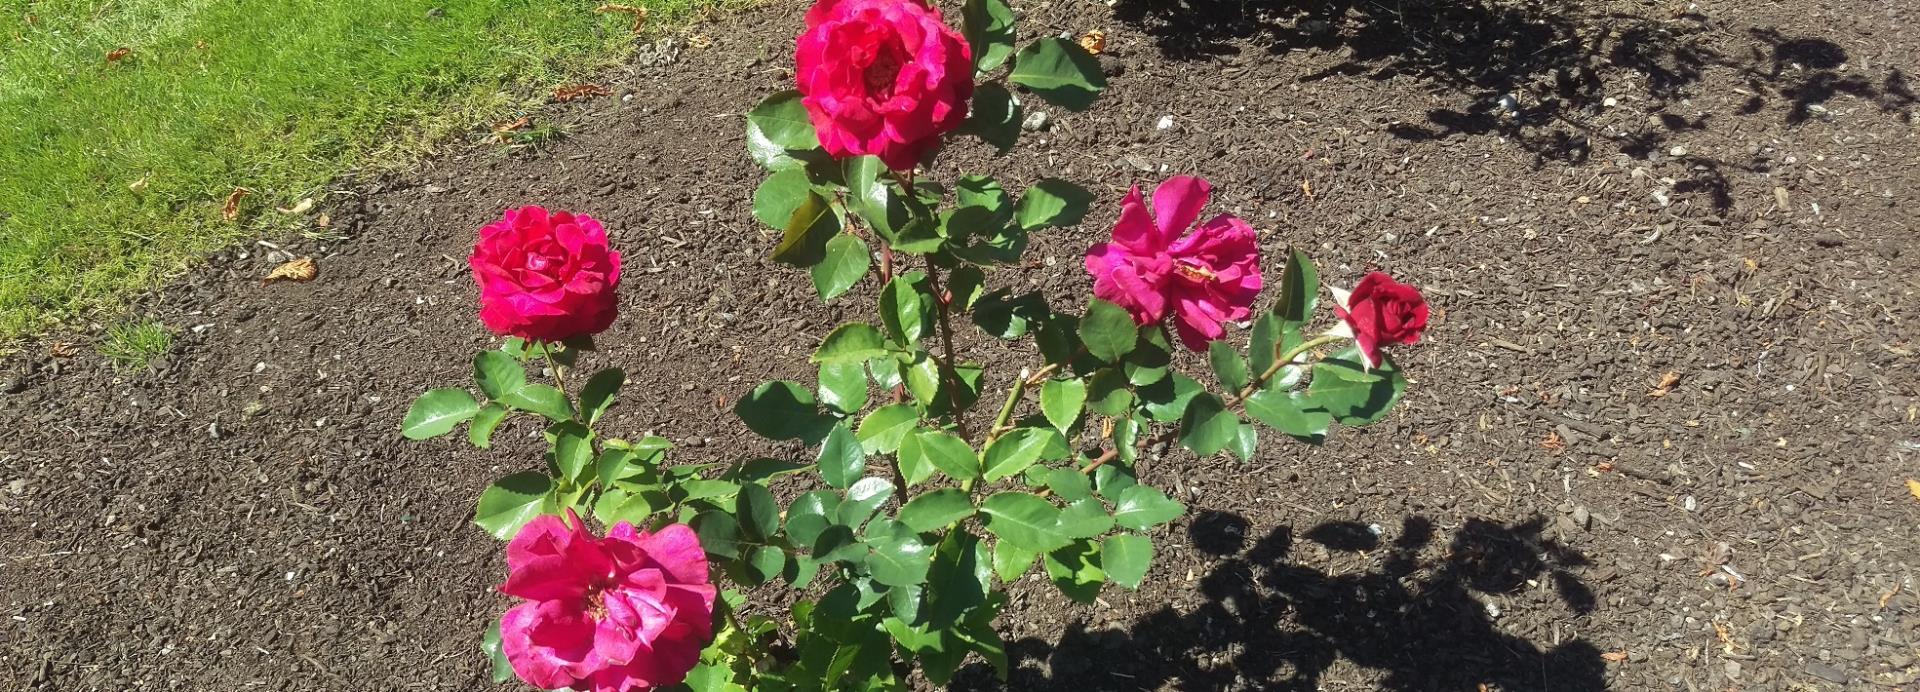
<point>1271,625</point>
<point>1536,72</point>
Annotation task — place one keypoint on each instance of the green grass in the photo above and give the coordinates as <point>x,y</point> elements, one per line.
<point>133,346</point>
<point>112,175</point>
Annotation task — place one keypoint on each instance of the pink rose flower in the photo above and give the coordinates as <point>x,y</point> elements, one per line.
<point>625,613</point>
<point>1205,278</point>
<point>545,277</point>
<point>883,78</point>
<point>1380,311</point>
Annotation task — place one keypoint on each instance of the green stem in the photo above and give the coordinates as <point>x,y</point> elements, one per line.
<point>1018,390</point>
<point>949,371</point>
<point>1281,361</point>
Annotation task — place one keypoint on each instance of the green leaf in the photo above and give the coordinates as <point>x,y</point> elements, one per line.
<point>841,460</point>
<point>757,511</point>
<point>719,533</point>
<point>1151,360</point>
<point>1011,561</point>
<point>846,263</point>
<point>1167,400</point>
<point>763,468</point>
<point>706,677</point>
<point>843,386</point>
<point>545,400</point>
<point>1085,518</point>
<point>915,468</point>
<point>906,309</point>
<point>597,395</point>
<point>782,410</point>
<point>1246,440</point>
<point>1061,401</point>
<point>1228,366</point>
<point>1108,331</point>
<point>1026,520</point>
<point>899,558</point>
<point>852,342</point>
<point>1125,557</point>
<point>1075,569</point>
<point>1352,395</point>
<point>807,232</point>
<point>776,128</point>
<point>779,195</point>
<point>1069,484</point>
<point>1014,451</point>
<point>572,450</point>
<point>1299,291</point>
<point>437,412</point>
<point>1107,393</point>
<point>811,514</point>
<point>480,433</point>
<point>883,429</point>
<point>1059,71</point>
<point>949,453</point>
<point>616,505</point>
<point>988,26</point>
<point>498,374</point>
<point>1290,413</point>
<point>1208,426</point>
<point>869,195</point>
<point>513,501</point>
<point>490,645</point>
<point>863,499</point>
<point>937,509</point>
<point>997,116</point>
<point>1053,202</point>
<point>1263,342</point>
<point>1140,508</point>
<point>1008,316</point>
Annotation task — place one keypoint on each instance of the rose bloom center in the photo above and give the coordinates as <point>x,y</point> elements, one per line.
<point>1194,272</point>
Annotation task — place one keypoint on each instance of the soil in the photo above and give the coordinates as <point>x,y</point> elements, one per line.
<point>1592,194</point>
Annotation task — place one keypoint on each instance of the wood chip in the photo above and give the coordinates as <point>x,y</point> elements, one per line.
<point>1614,656</point>
<point>299,270</point>
<point>1094,41</point>
<point>1667,381</point>
<point>302,207</point>
<point>1913,486</point>
<point>231,210</point>
<point>577,92</point>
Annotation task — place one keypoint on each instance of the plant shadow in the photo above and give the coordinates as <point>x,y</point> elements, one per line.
<point>1539,73</point>
<point>1417,622</point>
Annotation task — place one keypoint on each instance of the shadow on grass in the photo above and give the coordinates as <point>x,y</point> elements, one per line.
<point>1420,625</point>
<point>1537,72</point>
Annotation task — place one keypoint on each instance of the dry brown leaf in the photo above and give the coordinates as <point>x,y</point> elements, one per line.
<point>300,270</point>
<point>231,210</point>
<point>61,349</point>
<point>1553,443</point>
<point>500,131</point>
<point>139,186</point>
<point>1913,486</point>
<point>1094,41</point>
<point>700,41</point>
<point>1614,656</point>
<point>324,221</point>
<point>1888,596</point>
<point>1665,387</point>
<point>639,13</point>
<point>302,207</point>
<point>115,55</point>
<point>576,92</point>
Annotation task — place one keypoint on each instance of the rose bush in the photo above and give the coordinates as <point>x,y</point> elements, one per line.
<point>1380,312</point>
<point>545,276</point>
<point>919,507</point>
<point>626,613</point>
<point>882,78</point>
<point>1204,278</point>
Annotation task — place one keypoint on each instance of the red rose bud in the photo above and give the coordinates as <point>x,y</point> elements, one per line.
<point>545,276</point>
<point>1381,311</point>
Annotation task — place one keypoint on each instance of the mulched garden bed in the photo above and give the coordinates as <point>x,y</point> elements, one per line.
<point>1658,438</point>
